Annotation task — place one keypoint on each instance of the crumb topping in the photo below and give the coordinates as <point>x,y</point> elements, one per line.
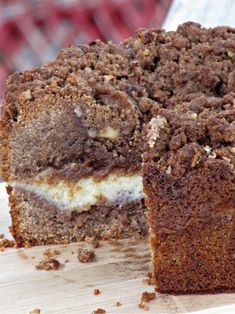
<point>155,127</point>
<point>110,92</point>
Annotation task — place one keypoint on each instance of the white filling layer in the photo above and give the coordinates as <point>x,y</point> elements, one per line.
<point>114,189</point>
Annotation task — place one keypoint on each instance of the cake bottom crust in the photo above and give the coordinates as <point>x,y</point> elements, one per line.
<point>35,221</point>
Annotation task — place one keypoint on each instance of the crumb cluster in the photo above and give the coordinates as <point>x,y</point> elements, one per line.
<point>49,264</point>
<point>35,311</point>
<point>146,297</point>
<point>51,253</point>
<point>99,311</point>
<point>96,292</point>
<point>6,243</point>
<point>86,256</point>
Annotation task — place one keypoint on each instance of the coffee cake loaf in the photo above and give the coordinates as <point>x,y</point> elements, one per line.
<point>74,130</point>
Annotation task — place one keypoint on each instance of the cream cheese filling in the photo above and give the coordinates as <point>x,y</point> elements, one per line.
<point>81,195</point>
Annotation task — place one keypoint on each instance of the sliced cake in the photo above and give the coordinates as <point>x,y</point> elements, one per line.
<point>72,149</point>
<point>73,131</point>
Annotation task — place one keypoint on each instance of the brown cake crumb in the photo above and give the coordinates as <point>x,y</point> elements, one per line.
<point>86,256</point>
<point>66,261</point>
<point>145,298</point>
<point>51,253</point>
<point>99,311</point>
<point>49,264</point>
<point>93,241</point>
<point>118,303</point>
<point>1,235</point>
<point>148,296</point>
<point>96,292</point>
<point>143,306</point>
<point>35,311</point>
<point>5,243</point>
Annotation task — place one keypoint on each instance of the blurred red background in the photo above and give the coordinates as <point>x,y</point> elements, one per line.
<point>32,32</point>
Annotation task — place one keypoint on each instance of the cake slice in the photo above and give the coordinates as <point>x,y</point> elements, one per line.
<point>72,139</point>
<point>189,180</point>
<point>188,169</point>
<point>71,149</point>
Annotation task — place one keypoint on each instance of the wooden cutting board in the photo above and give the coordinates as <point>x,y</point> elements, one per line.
<point>118,272</point>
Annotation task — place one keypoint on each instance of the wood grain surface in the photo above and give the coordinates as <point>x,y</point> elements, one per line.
<point>118,272</point>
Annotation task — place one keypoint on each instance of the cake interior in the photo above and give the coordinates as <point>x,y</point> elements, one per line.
<point>37,221</point>
<point>49,210</point>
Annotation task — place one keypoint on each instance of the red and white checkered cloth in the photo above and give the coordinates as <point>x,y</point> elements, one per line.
<point>32,32</point>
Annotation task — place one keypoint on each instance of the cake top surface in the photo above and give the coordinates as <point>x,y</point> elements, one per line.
<point>145,77</point>
<point>155,68</point>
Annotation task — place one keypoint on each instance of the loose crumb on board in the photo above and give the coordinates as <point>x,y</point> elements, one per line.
<point>49,264</point>
<point>145,298</point>
<point>99,311</point>
<point>6,243</point>
<point>86,256</point>
<point>35,311</point>
<point>66,261</point>
<point>96,292</point>
<point>118,303</point>
<point>143,306</point>
<point>51,253</point>
<point>93,241</point>
<point>148,296</point>
<point>1,235</point>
